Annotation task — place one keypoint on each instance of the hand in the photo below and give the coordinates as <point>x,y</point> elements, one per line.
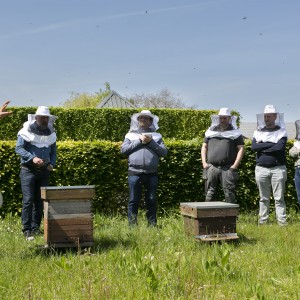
<point>3,112</point>
<point>205,165</point>
<point>50,168</point>
<point>145,139</point>
<point>38,161</point>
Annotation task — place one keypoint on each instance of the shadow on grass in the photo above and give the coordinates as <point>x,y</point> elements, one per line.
<point>245,240</point>
<point>106,243</point>
<point>101,245</point>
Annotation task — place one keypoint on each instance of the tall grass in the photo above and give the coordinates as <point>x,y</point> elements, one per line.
<point>154,263</point>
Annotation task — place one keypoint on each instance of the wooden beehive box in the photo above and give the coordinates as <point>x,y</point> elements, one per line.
<point>68,219</point>
<point>210,221</point>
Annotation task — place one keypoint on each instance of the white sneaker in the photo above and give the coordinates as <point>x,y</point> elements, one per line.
<point>282,223</point>
<point>263,222</point>
<point>28,235</point>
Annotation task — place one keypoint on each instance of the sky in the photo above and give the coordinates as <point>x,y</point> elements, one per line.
<point>241,54</point>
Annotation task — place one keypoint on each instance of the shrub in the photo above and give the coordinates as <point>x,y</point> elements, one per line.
<point>100,163</point>
<point>110,123</point>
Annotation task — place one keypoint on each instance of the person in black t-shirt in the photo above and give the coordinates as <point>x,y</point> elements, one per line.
<point>221,154</point>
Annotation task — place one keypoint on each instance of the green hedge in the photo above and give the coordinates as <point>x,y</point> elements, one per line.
<point>100,163</point>
<point>110,124</point>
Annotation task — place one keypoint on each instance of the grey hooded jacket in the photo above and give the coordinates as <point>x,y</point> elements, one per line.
<point>143,158</point>
<point>295,153</point>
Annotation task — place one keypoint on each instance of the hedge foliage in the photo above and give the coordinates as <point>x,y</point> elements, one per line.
<point>110,123</point>
<point>100,163</point>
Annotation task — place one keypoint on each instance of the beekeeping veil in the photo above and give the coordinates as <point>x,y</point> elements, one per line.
<point>297,124</point>
<point>270,109</point>
<point>213,130</point>
<point>264,135</point>
<point>31,120</point>
<point>134,126</point>
<point>39,141</point>
<point>297,138</point>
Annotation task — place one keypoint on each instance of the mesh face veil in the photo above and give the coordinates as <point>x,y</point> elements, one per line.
<point>261,120</point>
<point>270,109</point>
<point>297,124</point>
<point>31,120</point>
<point>134,125</point>
<point>215,121</point>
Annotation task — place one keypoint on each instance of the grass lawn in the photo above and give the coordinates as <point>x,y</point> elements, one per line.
<point>154,263</point>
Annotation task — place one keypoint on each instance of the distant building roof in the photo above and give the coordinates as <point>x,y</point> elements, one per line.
<point>116,101</point>
<point>248,128</point>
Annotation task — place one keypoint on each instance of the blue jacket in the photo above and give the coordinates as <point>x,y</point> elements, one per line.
<point>28,152</point>
<point>270,154</point>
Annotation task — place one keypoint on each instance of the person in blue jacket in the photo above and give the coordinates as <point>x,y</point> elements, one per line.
<point>143,146</point>
<point>269,143</point>
<point>36,146</point>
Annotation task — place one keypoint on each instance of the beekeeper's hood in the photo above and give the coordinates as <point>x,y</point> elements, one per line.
<point>135,120</point>
<point>270,109</point>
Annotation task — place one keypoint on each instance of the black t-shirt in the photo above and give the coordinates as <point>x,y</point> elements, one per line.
<point>222,151</point>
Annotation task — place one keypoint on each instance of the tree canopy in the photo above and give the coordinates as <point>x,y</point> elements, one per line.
<point>161,99</point>
<point>81,100</point>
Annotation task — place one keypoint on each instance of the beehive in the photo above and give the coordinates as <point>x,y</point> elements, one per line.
<point>68,218</point>
<point>210,221</point>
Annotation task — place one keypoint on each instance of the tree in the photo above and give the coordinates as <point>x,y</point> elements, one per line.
<point>162,99</point>
<point>81,100</point>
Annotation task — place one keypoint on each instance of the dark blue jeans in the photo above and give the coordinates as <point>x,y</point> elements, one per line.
<point>297,182</point>
<point>32,210</point>
<point>136,182</point>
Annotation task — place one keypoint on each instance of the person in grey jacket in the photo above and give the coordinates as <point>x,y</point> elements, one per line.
<point>295,153</point>
<point>143,146</point>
